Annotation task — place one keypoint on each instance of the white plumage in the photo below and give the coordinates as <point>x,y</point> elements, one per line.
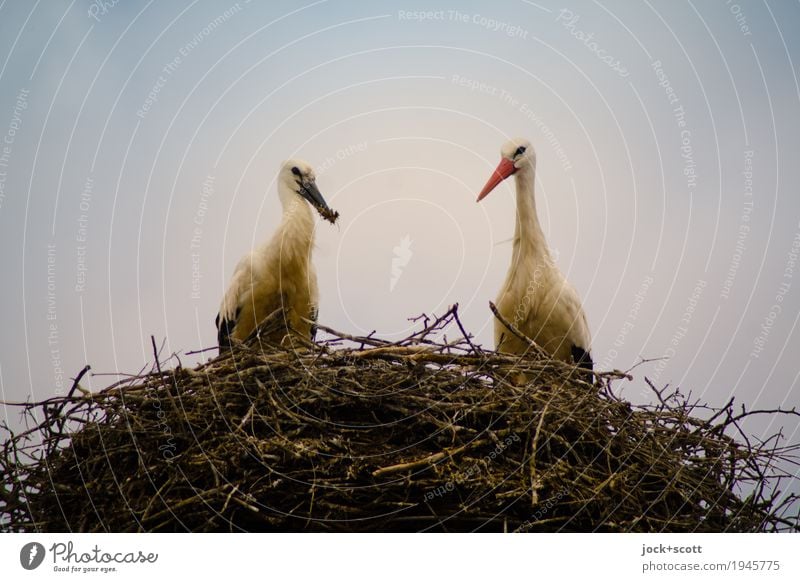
<point>535,297</point>
<point>279,273</point>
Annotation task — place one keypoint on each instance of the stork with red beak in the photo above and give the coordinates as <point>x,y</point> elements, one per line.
<point>535,298</point>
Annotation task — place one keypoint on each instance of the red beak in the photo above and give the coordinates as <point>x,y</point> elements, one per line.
<point>504,169</point>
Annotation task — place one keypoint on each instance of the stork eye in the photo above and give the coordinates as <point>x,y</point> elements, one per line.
<point>520,151</point>
<point>296,171</point>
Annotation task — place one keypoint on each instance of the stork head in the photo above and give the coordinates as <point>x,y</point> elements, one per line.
<point>515,155</point>
<point>297,178</point>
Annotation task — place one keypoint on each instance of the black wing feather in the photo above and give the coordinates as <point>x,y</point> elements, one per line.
<point>583,359</point>
<point>225,329</point>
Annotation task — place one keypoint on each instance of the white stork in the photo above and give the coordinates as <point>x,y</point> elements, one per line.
<point>535,298</point>
<point>279,273</point>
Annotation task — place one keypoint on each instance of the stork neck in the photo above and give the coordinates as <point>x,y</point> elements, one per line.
<point>528,236</point>
<point>298,223</point>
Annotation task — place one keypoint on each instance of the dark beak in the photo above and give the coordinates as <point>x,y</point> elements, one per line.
<point>311,193</point>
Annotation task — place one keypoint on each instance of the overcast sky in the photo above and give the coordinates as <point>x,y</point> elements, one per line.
<point>140,143</point>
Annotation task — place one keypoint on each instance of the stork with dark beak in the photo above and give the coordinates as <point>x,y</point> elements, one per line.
<point>535,298</point>
<point>279,274</point>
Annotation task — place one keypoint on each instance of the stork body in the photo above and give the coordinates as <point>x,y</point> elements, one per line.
<point>535,297</point>
<point>278,274</point>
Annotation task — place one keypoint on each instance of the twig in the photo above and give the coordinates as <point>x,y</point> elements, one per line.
<point>463,331</point>
<point>521,336</point>
<point>353,338</point>
<point>155,355</point>
<point>429,460</point>
<point>201,351</point>
<point>535,486</point>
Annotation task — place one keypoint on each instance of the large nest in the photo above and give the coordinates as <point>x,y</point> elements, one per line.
<point>359,434</point>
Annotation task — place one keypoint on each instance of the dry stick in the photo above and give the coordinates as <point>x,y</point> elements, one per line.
<point>714,417</point>
<point>269,320</point>
<point>197,497</point>
<point>398,351</point>
<point>155,354</point>
<point>76,383</point>
<point>432,327</point>
<point>75,386</point>
<point>353,338</point>
<point>429,460</point>
<point>521,336</point>
<point>534,486</point>
<point>151,502</point>
<point>423,316</point>
<point>161,375</point>
<point>792,411</point>
<point>382,347</point>
<point>247,416</point>
<point>463,331</point>
<point>201,350</point>
<point>228,500</point>
<point>120,385</point>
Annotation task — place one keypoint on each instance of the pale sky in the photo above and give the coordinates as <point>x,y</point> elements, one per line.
<point>141,142</point>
